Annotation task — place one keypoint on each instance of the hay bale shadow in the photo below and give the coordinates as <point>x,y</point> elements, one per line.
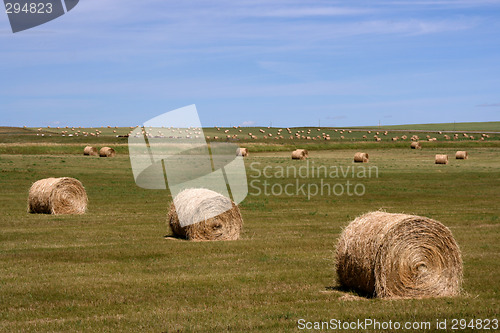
<point>173,237</point>
<point>349,294</point>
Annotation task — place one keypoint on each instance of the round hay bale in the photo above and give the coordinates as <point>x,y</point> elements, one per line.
<point>441,159</point>
<point>90,151</point>
<point>361,157</point>
<point>416,145</point>
<point>242,152</point>
<point>107,152</point>
<point>300,154</point>
<point>194,204</point>
<point>399,256</point>
<point>462,155</point>
<point>57,196</point>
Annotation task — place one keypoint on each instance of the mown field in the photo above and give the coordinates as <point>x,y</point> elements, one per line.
<point>112,269</point>
<point>54,141</point>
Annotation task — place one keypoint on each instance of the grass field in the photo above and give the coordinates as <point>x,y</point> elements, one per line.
<point>31,141</point>
<point>490,126</point>
<point>112,269</point>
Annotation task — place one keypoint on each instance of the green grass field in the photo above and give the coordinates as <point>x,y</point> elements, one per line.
<point>112,269</point>
<point>31,141</point>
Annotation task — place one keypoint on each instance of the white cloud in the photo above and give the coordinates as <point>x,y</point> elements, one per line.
<point>316,11</point>
<point>105,53</point>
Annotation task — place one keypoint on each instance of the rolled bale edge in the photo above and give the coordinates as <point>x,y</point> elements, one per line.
<point>90,151</point>
<point>56,196</point>
<point>416,145</point>
<point>360,157</point>
<point>242,152</point>
<point>441,159</point>
<point>300,154</point>
<point>197,203</point>
<point>399,256</point>
<point>107,152</point>
<point>461,155</point>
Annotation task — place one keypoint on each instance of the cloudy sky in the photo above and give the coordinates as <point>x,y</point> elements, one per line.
<point>285,62</point>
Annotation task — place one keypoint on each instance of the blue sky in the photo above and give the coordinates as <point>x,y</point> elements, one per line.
<point>285,62</point>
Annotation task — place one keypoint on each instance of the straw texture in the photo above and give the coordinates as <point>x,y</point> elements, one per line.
<point>399,256</point>
<point>441,159</point>
<point>57,196</point>
<point>361,157</point>
<point>416,145</point>
<point>193,205</point>
<point>89,150</point>
<point>107,152</point>
<point>300,154</point>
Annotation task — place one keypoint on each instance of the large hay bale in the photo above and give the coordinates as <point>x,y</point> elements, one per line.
<point>361,157</point>
<point>90,151</point>
<point>57,196</point>
<point>242,152</point>
<point>399,256</point>
<point>461,155</point>
<point>300,154</point>
<point>107,152</point>
<point>441,159</point>
<point>193,205</point>
<point>416,145</point>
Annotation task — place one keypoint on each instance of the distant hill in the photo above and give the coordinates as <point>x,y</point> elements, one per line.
<point>491,126</point>
<point>15,130</point>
